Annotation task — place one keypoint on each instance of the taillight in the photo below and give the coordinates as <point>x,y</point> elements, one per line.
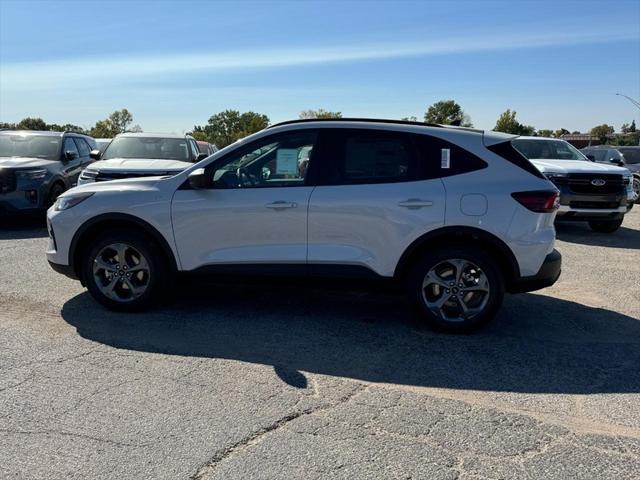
<point>544,201</point>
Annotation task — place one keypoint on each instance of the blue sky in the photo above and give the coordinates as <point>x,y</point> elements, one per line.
<point>174,64</point>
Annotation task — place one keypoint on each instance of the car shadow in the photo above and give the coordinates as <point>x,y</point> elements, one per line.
<point>580,232</point>
<point>23,226</point>
<point>537,344</point>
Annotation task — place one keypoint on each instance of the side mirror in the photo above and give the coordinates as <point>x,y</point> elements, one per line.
<point>591,157</point>
<point>95,154</point>
<point>70,155</point>
<point>201,156</point>
<point>199,179</point>
<point>616,161</point>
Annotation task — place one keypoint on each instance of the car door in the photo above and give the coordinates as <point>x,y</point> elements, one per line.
<point>371,202</point>
<point>255,212</point>
<point>71,161</point>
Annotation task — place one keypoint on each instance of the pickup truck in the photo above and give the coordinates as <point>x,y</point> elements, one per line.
<point>593,192</point>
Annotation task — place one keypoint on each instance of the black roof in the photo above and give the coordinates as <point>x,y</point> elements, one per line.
<point>368,120</point>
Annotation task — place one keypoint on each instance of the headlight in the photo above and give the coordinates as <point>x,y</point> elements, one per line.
<point>38,174</point>
<point>555,177</point>
<point>67,201</point>
<point>89,174</point>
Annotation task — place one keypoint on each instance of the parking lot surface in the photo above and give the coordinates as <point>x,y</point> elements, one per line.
<point>282,381</point>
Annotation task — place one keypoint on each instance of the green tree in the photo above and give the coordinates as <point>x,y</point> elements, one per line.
<point>32,124</point>
<point>632,127</point>
<point>507,123</point>
<point>117,122</point>
<point>68,127</point>
<point>320,113</point>
<point>409,119</point>
<point>602,132</point>
<point>545,132</point>
<point>5,125</point>
<point>446,112</point>
<point>226,127</point>
<point>561,131</point>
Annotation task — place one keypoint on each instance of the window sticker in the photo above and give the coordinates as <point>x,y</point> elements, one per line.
<point>445,158</point>
<point>287,161</point>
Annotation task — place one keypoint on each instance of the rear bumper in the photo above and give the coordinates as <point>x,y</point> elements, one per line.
<point>546,276</point>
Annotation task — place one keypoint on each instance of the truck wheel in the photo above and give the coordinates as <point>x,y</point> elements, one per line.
<point>124,271</point>
<point>605,226</point>
<point>456,289</point>
<point>56,190</point>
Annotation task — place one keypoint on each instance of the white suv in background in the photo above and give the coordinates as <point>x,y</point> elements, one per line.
<point>142,155</point>
<point>457,215</point>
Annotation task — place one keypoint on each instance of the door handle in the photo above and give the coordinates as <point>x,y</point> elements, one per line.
<point>415,203</point>
<point>281,204</point>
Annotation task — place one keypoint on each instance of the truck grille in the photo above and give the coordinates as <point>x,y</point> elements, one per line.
<point>7,181</point>
<point>106,176</point>
<point>581,183</point>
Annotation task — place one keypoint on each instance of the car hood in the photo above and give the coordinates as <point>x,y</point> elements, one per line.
<point>575,166</point>
<point>25,162</point>
<point>125,184</point>
<point>139,165</point>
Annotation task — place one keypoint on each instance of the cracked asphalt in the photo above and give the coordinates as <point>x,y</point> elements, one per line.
<point>281,381</point>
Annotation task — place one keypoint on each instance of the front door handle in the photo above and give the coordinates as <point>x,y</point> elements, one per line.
<point>415,203</point>
<point>281,204</point>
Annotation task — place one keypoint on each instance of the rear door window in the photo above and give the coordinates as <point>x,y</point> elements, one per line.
<point>371,156</point>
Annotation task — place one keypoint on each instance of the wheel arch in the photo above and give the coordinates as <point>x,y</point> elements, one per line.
<point>461,234</point>
<point>94,226</point>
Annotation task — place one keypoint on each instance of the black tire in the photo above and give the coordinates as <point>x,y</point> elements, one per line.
<point>436,258</point>
<point>56,190</point>
<point>158,271</point>
<point>605,226</point>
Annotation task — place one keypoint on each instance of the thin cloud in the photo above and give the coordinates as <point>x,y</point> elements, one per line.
<point>110,70</point>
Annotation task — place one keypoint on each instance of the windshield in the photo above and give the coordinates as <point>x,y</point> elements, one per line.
<point>547,149</point>
<point>631,155</point>
<point>148,147</point>
<point>38,146</point>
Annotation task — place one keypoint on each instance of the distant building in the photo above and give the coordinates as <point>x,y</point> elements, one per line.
<point>580,140</point>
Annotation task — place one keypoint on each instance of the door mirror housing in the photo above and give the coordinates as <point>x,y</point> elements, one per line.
<point>70,155</point>
<point>95,154</point>
<point>201,156</point>
<point>199,179</point>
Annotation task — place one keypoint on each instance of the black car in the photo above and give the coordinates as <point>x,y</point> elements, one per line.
<point>37,166</point>
<point>628,157</point>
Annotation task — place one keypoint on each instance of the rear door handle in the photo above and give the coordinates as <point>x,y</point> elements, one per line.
<point>281,204</point>
<point>415,203</point>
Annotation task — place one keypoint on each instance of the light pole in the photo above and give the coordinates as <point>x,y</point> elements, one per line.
<point>635,102</point>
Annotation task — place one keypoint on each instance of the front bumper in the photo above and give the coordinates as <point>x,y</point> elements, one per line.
<point>546,276</point>
<point>66,270</point>
<point>589,206</point>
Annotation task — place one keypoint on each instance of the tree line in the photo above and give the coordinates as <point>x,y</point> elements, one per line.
<point>228,126</point>
<point>118,122</point>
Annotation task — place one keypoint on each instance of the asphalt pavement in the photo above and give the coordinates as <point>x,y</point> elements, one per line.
<point>269,380</point>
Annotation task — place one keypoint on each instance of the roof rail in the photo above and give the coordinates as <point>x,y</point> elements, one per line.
<point>369,120</point>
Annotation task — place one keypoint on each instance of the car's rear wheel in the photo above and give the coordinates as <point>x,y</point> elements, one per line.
<point>605,226</point>
<point>124,271</point>
<point>456,289</point>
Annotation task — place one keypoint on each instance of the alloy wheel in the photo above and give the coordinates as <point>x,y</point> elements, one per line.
<point>456,290</point>
<point>121,272</point>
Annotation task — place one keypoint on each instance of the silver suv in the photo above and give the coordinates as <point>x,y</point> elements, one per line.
<point>142,155</point>
<point>455,215</point>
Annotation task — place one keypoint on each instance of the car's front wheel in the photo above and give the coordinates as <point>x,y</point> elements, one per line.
<point>124,271</point>
<point>456,289</point>
<point>605,226</point>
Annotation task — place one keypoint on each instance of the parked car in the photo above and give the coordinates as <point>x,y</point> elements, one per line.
<point>628,157</point>
<point>102,144</point>
<point>590,192</point>
<point>456,215</point>
<point>37,166</point>
<point>142,155</point>
<point>206,147</point>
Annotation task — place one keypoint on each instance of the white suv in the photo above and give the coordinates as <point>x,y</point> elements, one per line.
<point>457,215</point>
